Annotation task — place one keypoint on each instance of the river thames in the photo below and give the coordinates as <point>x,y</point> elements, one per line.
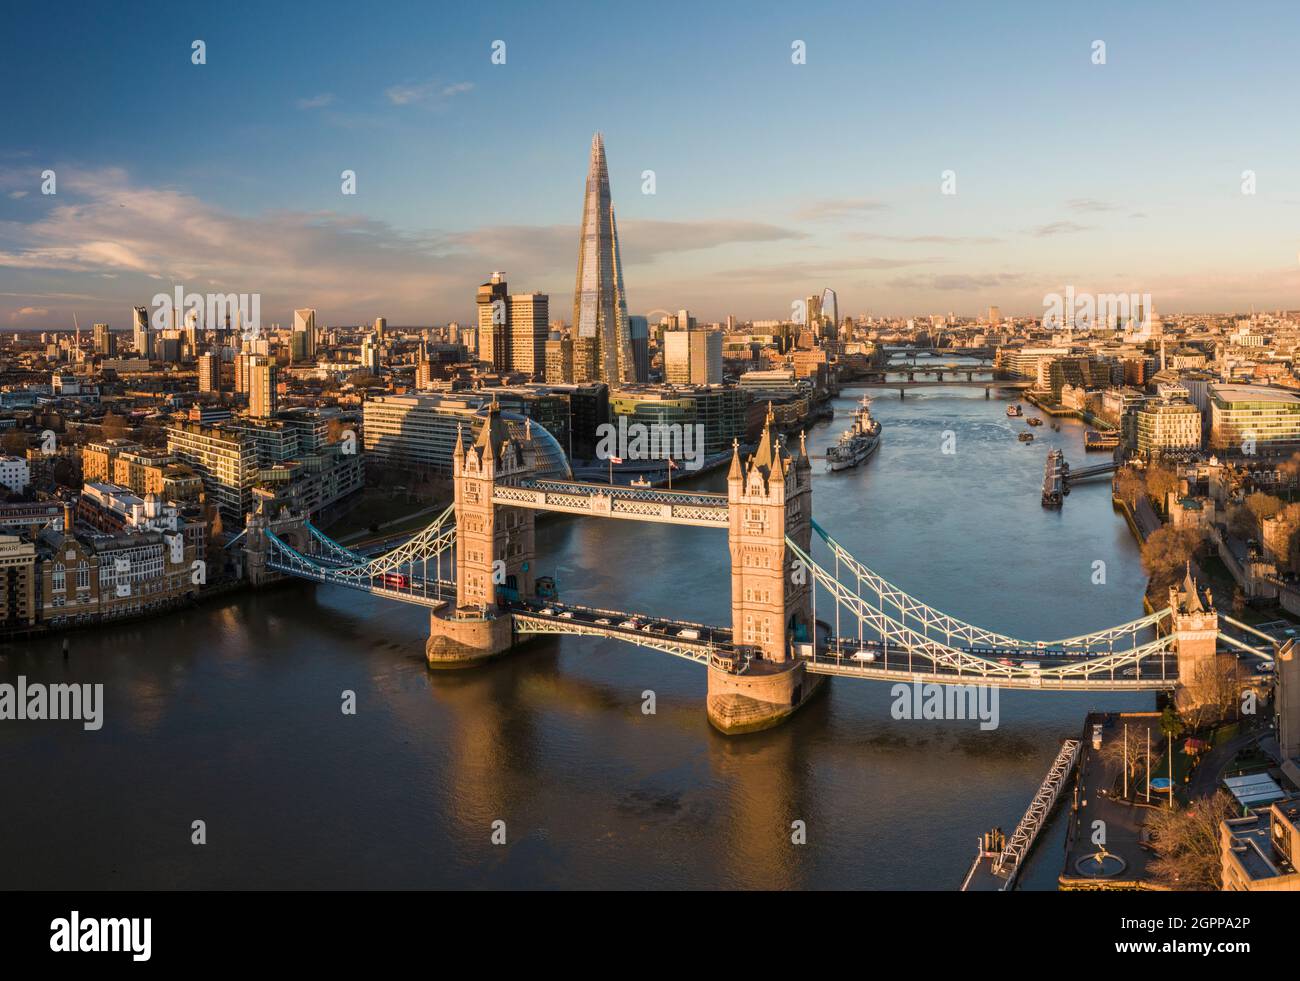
<point>229,713</point>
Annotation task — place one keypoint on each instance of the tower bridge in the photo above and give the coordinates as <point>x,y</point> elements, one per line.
<point>799,614</point>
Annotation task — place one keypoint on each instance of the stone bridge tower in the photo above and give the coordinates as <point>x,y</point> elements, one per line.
<point>494,546</point>
<point>1204,675</point>
<point>494,550</point>
<point>769,498</point>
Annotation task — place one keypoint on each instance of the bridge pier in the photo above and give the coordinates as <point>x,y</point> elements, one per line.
<point>466,638</point>
<point>760,698</point>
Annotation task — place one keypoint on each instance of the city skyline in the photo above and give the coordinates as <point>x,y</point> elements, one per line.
<point>245,195</point>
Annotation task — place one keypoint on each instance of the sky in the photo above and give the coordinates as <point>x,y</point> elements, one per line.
<point>772,180</point>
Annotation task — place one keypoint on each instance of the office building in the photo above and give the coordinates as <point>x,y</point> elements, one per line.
<point>263,399</point>
<point>209,372</point>
<point>303,338</point>
<point>602,346</point>
<point>693,357</point>
<point>529,314</point>
<point>1246,418</point>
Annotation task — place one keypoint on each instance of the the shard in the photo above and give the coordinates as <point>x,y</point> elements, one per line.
<point>602,349</point>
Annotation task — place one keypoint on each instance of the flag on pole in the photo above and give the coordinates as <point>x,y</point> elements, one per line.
<point>672,465</point>
<point>615,459</point>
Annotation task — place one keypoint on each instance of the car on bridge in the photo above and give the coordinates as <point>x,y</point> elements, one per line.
<point>603,622</point>
<point>547,611</point>
<point>630,624</point>
<point>862,656</point>
<point>566,614</point>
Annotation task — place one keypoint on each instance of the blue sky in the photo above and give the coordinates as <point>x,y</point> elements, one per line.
<point>773,180</point>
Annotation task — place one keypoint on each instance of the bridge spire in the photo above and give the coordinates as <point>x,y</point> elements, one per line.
<point>735,473</point>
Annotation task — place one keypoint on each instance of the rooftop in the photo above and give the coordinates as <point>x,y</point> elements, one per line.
<point>1253,393</point>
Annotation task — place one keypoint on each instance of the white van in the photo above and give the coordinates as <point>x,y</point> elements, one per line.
<point>690,633</point>
<point>1096,736</point>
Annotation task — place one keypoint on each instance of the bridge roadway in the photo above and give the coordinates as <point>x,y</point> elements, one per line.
<point>843,656</point>
<point>836,656</point>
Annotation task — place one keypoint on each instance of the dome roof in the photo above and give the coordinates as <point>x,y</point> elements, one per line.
<point>542,450</point>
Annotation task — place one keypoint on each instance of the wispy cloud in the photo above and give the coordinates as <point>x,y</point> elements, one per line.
<point>432,92</point>
<point>317,101</point>
<point>923,239</point>
<point>949,282</point>
<point>1090,205</point>
<point>1057,228</point>
<point>837,209</point>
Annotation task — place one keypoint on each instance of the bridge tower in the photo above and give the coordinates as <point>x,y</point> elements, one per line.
<point>494,550</point>
<point>1201,668</point>
<point>769,498</point>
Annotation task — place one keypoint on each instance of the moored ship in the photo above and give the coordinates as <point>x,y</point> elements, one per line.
<point>1014,410</point>
<point>858,442</point>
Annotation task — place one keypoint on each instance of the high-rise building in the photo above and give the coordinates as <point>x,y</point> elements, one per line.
<point>693,357</point>
<point>370,354</point>
<point>209,372</point>
<point>559,359</point>
<point>995,316</point>
<point>639,332</point>
<point>105,342</point>
<point>830,313</point>
<point>242,360</point>
<point>494,323</point>
<point>141,338</point>
<point>528,316</point>
<point>603,347</point>
<point>381,325</point>
<point>304,324</point>
<point>262,398</point>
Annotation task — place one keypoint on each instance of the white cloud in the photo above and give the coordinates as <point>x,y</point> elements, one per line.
<point>431,92</point>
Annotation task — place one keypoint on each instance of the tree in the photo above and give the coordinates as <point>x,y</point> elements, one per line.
<point>1161,482</point>
<point>113,426</point>
<point>1212,693</point>
<point>1171,723</point>
<point>1241,523</point>
<point>1118,752</point>
<point>1167,551</point>
<point>1186,842</point>
<point>14,443</point>
<point>1262,506</point>
<point>1129,486</point>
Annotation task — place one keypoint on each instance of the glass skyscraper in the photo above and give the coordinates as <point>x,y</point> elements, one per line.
<point>603,345</point>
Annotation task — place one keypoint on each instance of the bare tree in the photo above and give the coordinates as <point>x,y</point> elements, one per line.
<point>1186,842</point>
<point>1166,552</point>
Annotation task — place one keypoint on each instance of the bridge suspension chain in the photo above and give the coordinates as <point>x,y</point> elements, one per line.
<point>932,621</point>
<point>891,630</point>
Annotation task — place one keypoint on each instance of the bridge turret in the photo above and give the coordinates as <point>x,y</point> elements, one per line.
<point>494,546</point>
<point>769,498</point>
<point>1203,673</point>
